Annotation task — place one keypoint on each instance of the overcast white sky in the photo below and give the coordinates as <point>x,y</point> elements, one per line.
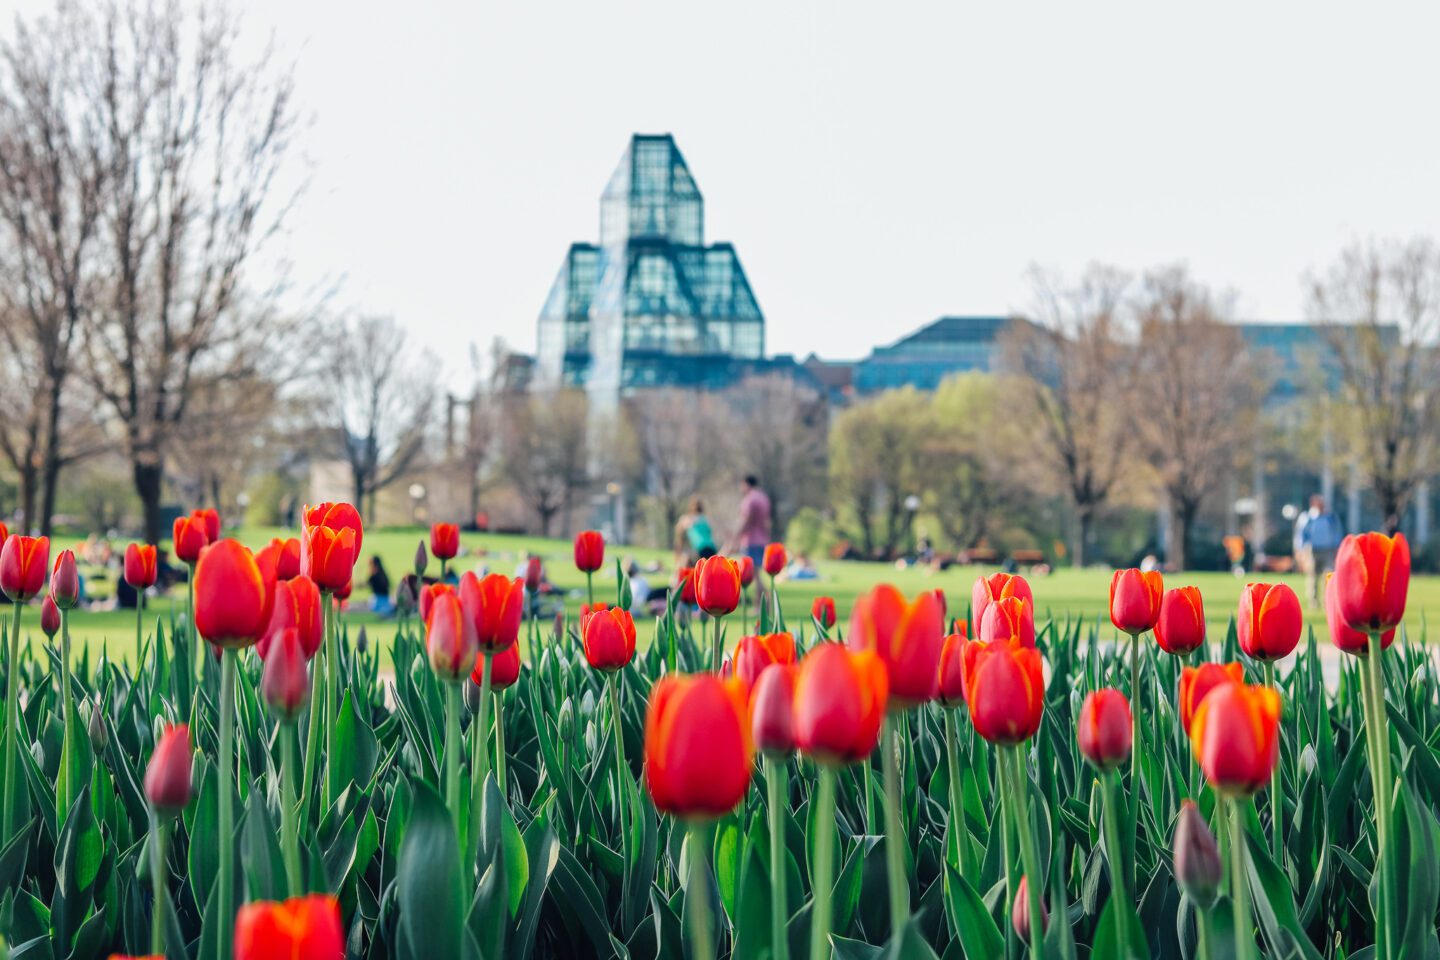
<point>875,164</point>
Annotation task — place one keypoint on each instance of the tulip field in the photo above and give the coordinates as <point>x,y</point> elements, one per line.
<point>976,771</point>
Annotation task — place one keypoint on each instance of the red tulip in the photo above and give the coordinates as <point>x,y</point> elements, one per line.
<point>1020,912</point>
<point>140,566</point>
<point>284,555</point>
<point>534,574</point>
<point>450,638</point>
<point>167,778</point>
<point>23,561</point>
<point>504,669</point>
<point>1104,729</point>
<point>747,570</point>
<point>997,586</point>
<point>685,581</point>
<point>303,928</point>
<point>907,637</point>
<point>428,593</point>
<point>189,538</point>
<point>1197,682</point>
<point>328,555</point>
<point>1009,618</point>
<point>1269,621</point>
<point>4,532</point>
<point>209,519</point>
<point>698,755</point>
<point>233,595</point>
<point>589,551</point>
<point>1372,576</point>
<point>496,603</point>
<point>822,609</point>
<point>445,540</point>
<point>717,585</point>
<point>1005,688</point>
<point>773,559</point>
<point>49,616</point>
<point>298,606</point>
<point>283,681</point>
<point>1135,600</point>
<point>753,654</point>
<point>608,636</point>
<point>772,710</point>
<point>65,580</point>
<point>840,699</point>
<point>335,516</point>
<point>1180,628</point>
<point>951,686</point>
<point>1234,735</point>
<point>1343,635</point>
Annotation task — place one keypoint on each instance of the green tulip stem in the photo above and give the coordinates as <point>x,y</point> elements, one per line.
<point>1373,689</point>
<point>697,894</point>
<point>622,771</point>
<point>289,828</point>
<point>1135,715</point>
<point>12,728</point>
<point>775,799</point>
<point>1008,840</point>
<point>1240,886</point>
<point>192,637</point>
<point>1277,838</point>
<point>1202,927</point>
<point>68,757</point>
<point>139,619</point>
<point>158,875</point>
<point>312,739</point>
<point>894,831</point>
<point>500,763</point>
<point>332,662</point>
<point>824,865</point>
<point>1017,795</point>
<point>225,901</point>
<point>479,756</point>
<point>1109,781</point>
<point>957,795</point>
<point>589,588</point>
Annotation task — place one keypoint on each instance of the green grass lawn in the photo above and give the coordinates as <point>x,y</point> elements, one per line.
<point>1078,592</point>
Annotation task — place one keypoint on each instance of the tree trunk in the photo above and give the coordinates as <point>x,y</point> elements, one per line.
<point>50,481</point>
<point>1182,522</point>
<point>1084,519</point>
<point>149,481</point>
<point>28,485</point>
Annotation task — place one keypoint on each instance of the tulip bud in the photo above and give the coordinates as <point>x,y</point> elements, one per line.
<point>1135,600</point>
<point>1197,858</point>
<point>405,593</point>
<point>589,551</point>
<point>444,540</point>
<point>1020,912</point>
<point>822,611</point>
<point>1104,729</point>
<point>773,559</point>
<point>167,778</point>
<point>65,580</point>
<point>772,711</point>
<point>49,617</point>
<point>566,720</point>
<point>422,559</point>
<point>627,596</point>
<point>95,726</point>
<point>558,628</point>
<point>1180,628</point>
<point>283,681</point>
<point>1269,621</point>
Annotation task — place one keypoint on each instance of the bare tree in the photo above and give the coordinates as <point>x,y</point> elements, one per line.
<point>678,434</point>
<point>1198,393</point>
<point>543,442</point>
<point>381,398</point>
<point>1384,300</point>
<point>1076,376</point>
<point>779,436</point>
<point>216,449</point>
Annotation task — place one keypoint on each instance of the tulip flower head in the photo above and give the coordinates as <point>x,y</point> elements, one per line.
<point>49,616</point>
<point>428,593</point>
<point>496,603</point>
<point>167,778</point>
<point>65,580</point>
<point>950,690</point>
<point>822,611</point>
<point>746,565</point>
<point>685,583</point>
<point>504,668</point>
<point>1135,600</point>
<point>284,684</point>
<point>753,654</point>
<point>772,710</point>
<point>608,636</point>
<point>335,516</point>
<point>1180,628</point>
<point>840,701</point>
<point>907,637</point>
<point>1234,735</point>
<point>298,606</point>
<point>698,754</point>
<point>1005,690</point>
<point>997,586</point>
<point>1104,729</point>
<point>1372,578</point>
<point>23,563</point>
<point>717,585</point>
<point>189,538</point>
<point>303,928</point>
<point>589,551</point>
<point>140,568</point>
<point>234,595</point>
<point>283,555</point>
<point>209,519</point>
<point>1020,912</point>
<point>1197,857</point>
<point>1197,682</point>
<point>450,638</point>
<point>1342,635</point>
<point>534,573</point>
<point>773,559</point>
<point>328,555</point>
<point>1009,618</point>
<point>445,540</point>
<point>1269,621</point>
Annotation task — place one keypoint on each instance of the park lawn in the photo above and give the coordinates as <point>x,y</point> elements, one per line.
<point>1066,591</point>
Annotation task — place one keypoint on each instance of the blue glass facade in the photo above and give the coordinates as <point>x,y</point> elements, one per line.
<point>932,353</point>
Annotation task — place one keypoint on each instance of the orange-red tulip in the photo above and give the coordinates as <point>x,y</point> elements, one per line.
<point>303,928</point>
<point>772,710</point>
<point>428,593</point>
<point>283,681</point>
<point>1269,621</point>
<point>23,562</point>
<point>1197,682</point>
<point>1343,635</point>
<point>840,700</point>
<point>685,582</point>
<point>822,609</point>
<point>298,606</point>
<point>234,595</point>
<point>4,532</point>
<point>997,586</point>
<point>504,668</point>
<point>1180,628</point>
<point>907,637</point>
<point>284,555</point>
<point>1372,577</point>
<point>445,540</point>
<point>65,580</point>
<point>1009,618</point>
<point>1005,690</point>
<point>496,603</point>
<point>208,518</point>
<point>335,516</point>
<point>328,555</point>
<point>1135,600</point>
<point>189,536</point>
<point>773,559</point>
<point>450,638</point>
<point>717,585</point>
<point>951,688</point>
<point>167,777</point>
<point>1103,731</point>
<point>608,636</point>
<point>753,654</point>
<point>1234,737</point>
<point>49,617</point>
<point>698,755</point>
<point>140,568</point>
<point>589,551</point>
<point>746,565</point>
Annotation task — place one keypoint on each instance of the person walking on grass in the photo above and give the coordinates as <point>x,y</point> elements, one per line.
<point>753,532</point>
<point>1317,537</point>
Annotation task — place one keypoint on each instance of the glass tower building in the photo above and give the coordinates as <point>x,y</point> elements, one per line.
<point>652,304</point>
